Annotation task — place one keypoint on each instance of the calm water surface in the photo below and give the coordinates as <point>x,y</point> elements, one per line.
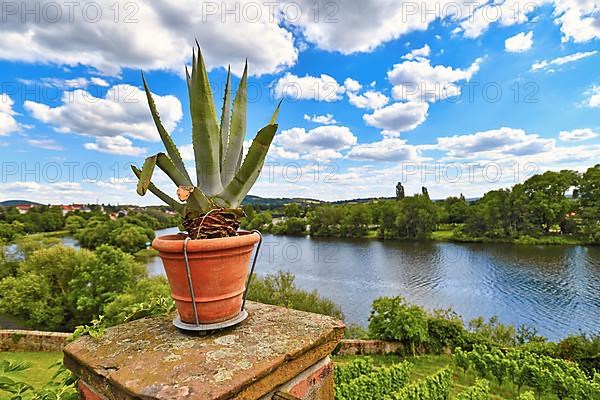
<point>553,288</point>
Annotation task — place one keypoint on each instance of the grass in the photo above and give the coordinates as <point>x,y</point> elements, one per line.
<point>429,364</point>
<point>40,371</point>
<point>442,235</point>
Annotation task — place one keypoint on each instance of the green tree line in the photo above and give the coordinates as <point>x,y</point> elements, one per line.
<point>553,207</point>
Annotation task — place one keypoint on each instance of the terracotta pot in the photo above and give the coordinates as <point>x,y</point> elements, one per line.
<point>219,269</point>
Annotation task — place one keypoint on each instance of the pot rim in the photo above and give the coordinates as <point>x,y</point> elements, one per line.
<point>174,243</point>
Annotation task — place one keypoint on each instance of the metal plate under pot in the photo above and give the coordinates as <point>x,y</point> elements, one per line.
<point>210,327</point>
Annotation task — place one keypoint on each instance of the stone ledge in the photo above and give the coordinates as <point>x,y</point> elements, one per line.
<point>21,340</point>
<point>151,359</point>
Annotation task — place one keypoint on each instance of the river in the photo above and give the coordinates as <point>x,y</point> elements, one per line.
<point>555,289</point>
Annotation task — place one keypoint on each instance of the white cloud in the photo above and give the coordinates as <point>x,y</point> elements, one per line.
<point>326,119</point>
<point>495,144</point>
<point>47,193</point>
<point>417,54</point>
<point>357,26</point>
<point>577,135</point>
<point>321,143</point>
<point>352,85</point>
<point>388,149</point>
<point>594,100</point>
<point>578,19</point>
<point>115,145</point>
<point>480,16</point>
<point>398,117</point>
<point>547,64</point>
<point>123,111</point>
<point>47,144</point>
<point>99,81</point>
<point>370,99</point>
<point>153,35</point>
<point>418,80</point>
<point>323,88</point>
<point>65,83</point>
<point>519,43</point>
<point>8,123</point>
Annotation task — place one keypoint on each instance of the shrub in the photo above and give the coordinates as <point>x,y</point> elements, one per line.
<point>279,289</point>
<point>393,319</point>
<point>143,291</point>
<point>445,329</point>
<point>355,368</point>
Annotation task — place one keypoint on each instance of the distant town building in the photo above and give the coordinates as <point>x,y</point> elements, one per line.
<point>24,208</point>
<point>75,207</point>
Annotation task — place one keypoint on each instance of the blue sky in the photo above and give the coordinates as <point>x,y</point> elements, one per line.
<point>460,100</point>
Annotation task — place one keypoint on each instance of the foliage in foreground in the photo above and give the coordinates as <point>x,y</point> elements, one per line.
<point>442,330</point>
<point>60,387</point>
<point>479,391</point>
<point>546,375</point>
<point>58,288</point>
<point>433,387</point>
<point>374,385</point>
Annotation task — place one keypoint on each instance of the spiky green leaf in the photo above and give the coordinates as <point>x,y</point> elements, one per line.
<point>170,146</point>
<point>275,113</point>
<point>225,115</point>
<point>146,176</point>
<point>250,169</point>
<point>174,204</point>
<point>205,130</point>
<point>238,130</point>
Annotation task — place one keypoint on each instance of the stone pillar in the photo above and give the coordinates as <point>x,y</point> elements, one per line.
<point>275,350</point>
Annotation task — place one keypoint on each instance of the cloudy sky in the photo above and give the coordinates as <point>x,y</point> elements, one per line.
<point>460,96</point>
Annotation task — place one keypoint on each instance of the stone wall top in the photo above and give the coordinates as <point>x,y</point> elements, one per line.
<point>21,340</point>
<point>151,359</point>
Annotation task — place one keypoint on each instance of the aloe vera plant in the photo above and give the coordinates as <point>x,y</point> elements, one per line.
<point>211,206</point>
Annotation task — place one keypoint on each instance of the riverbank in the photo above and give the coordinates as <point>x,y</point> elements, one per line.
<point>450,237</point>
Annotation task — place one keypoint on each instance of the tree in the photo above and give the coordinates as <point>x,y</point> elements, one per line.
<point>399,191</point>
<point>590,203</point>
<point>95,233</point>
<point>324,221</point>
<point>457,209</point>
<point>393,319</point>
<point>292,210</point>
<point>39,293</point>
<point>355,221</point>
<point>491,216</point>
<point>7,232</point>
<point>131,238</point>
<point>101,279</point>
<point>74,222</point>
<point>59,288</point>
<point>547,204</point>
<point>291,226</point>
<point>416,219</point>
